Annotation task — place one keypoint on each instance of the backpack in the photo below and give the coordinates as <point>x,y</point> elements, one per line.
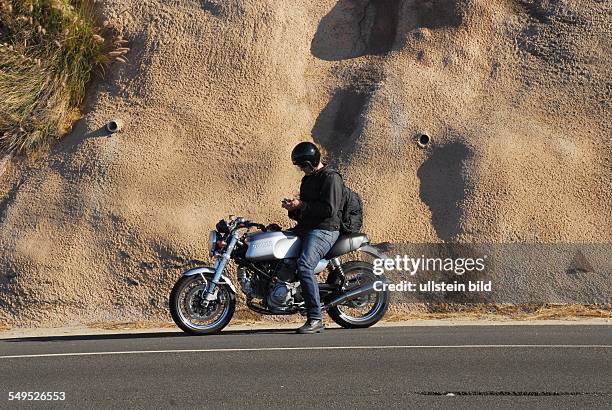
<point>352,212</point>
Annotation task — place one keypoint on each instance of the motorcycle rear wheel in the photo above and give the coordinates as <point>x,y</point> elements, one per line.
<point>348,314</point>
<point>192,315</point>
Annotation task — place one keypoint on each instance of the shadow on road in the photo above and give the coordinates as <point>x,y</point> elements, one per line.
<point>119,336</point>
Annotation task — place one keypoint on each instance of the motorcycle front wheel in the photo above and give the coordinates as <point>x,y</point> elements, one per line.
<point>193,314</point>
<point>363,311</point>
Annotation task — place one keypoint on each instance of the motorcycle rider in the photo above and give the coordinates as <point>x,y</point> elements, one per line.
<point>317,212</point>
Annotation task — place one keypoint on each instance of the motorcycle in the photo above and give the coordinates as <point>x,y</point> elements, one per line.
<point>203,300</point>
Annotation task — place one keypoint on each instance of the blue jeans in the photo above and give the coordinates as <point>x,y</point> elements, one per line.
<point>315,245</point>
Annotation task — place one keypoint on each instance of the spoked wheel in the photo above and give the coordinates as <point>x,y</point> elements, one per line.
<point>365,310</point>
<point>193,314</point>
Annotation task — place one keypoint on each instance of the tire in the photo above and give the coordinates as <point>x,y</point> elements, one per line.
<point>226,301</point>
<point>379,308</point>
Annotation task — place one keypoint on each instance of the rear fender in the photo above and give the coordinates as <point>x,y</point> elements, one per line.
<point>375,250</point>
<point>210,271</point>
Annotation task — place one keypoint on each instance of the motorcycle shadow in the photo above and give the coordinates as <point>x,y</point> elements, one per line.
<point>144,335</point>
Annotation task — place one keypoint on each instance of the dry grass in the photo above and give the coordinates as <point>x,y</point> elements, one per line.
<point>130,325</point>
<point>49,50</point>
<point>241,317</point>
<point>498,312</point>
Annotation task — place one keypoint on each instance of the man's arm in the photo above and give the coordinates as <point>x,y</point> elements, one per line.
<point>328,203</point>
<point>295,214</point>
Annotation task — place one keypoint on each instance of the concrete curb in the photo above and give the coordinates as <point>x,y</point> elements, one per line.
<point>87,331</point>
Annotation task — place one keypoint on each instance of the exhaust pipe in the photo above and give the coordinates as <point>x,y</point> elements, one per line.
<point>355,293</point>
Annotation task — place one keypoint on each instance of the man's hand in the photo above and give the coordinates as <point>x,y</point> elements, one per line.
<point>292,204</point>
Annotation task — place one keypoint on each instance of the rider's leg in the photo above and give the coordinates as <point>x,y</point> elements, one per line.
<point>315,244</point>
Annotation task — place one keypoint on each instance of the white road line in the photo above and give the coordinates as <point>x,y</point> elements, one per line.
<point>278,349</point>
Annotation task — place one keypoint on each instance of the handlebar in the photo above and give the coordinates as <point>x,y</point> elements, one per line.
<point>249,224</point>
<point>256,225</point>
<point>240,222</point>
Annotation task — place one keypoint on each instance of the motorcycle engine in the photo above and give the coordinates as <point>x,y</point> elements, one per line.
<point>249,287</point>
<point>281,294</point>
<point>282,291</point>
<point>278,293</point>
<point>286,270</point>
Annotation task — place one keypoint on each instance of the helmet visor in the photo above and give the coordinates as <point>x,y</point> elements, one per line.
<point>301,162</point>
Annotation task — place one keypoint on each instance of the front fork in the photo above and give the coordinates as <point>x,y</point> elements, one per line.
<point>219,265</point>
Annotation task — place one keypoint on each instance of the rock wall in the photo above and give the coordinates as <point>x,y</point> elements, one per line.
<point>515,95</point>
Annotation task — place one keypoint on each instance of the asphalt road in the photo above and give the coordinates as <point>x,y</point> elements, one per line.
<point>397,367</point>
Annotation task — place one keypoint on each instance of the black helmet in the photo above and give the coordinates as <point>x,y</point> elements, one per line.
<point>306,153</point>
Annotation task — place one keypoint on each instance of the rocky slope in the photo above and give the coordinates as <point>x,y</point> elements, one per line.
<point>515,95</point>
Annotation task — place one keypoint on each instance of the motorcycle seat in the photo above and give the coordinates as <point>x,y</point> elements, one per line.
<point>346,244</point>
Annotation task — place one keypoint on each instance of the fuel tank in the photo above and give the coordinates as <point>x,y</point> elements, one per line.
<point>272,245</point>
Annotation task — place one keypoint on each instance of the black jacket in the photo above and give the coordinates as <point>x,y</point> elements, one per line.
<point>321,196</point>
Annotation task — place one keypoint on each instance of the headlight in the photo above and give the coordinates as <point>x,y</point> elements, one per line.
<point>212,242</point>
